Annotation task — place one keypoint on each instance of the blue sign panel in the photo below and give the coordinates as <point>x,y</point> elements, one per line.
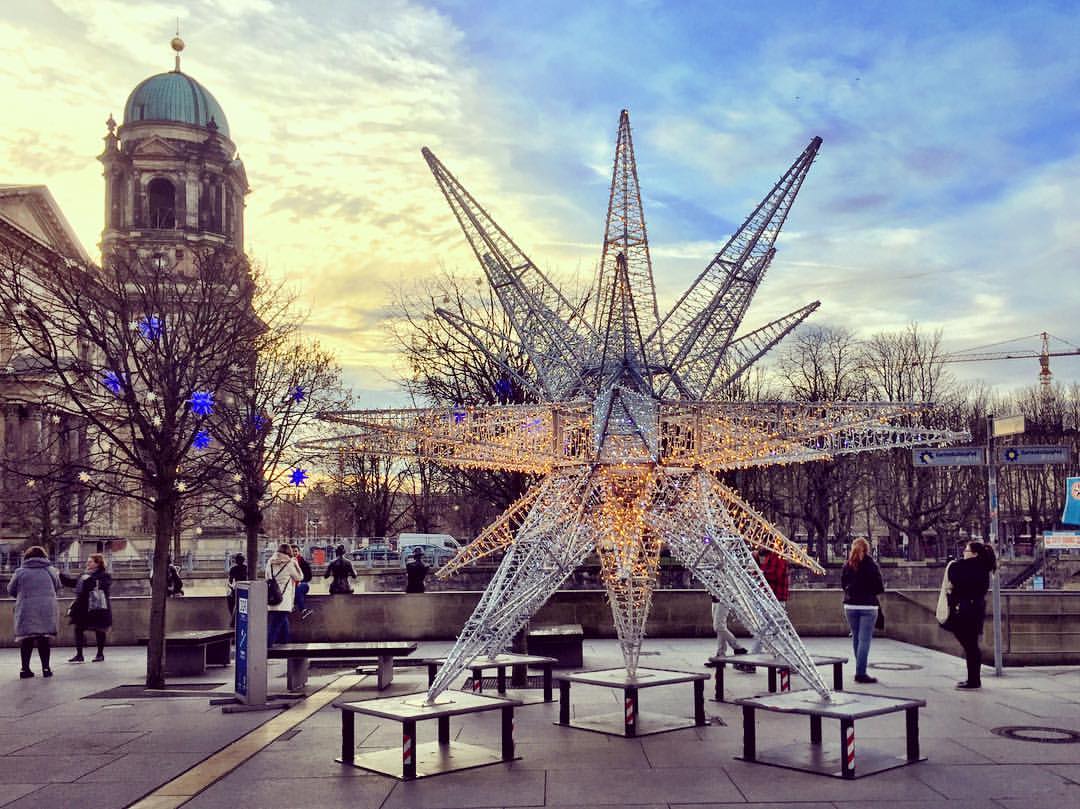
<point>1033,455</point>
<point>948,456</point>
<point>242,639</point>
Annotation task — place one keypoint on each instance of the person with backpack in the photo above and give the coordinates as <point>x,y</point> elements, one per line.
<point>339,572</point>
<point>92,608</point>
<point>34,586</point>
<point>282,574</point>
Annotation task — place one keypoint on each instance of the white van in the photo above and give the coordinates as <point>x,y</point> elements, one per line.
<point>406,541</point>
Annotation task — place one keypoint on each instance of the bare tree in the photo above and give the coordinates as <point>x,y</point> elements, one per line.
<point>141,351</point>
<point>286,381</point>
<point>820,364</point>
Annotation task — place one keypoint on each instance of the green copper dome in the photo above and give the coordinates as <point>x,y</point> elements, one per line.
<point>177,97</point>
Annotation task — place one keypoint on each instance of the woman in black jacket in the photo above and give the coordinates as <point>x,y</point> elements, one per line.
<point>92,608</point>
<point>862,584</point>
<point>970,579</point>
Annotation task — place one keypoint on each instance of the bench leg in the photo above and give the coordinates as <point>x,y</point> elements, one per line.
<point>218,653</point>
<point>772,680</point>
<point>630,701</point>
<point>444,730</point>
<point>815,729</point>
<point>508,733</point>
<point>749,734</point>
<point>719,695</point>
<point>838,676</point>
<point>477,680</point>
<point>348,737</point>
<point>519,676</point>
<point>185,661</point>
<point>432,670</point>
<point>912,733</point>
<point>500,680</point>
<point>785,680</point>
<point>847,748</point>
<point>699,703</point>
<point>547,683</point>
<point>564,702</point>
<point>385,672</point>
<point>408,749</point>
<point>296,673</point>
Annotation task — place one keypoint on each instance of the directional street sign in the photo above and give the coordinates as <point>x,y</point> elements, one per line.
<point>1033,455</point>
<point>949,456</point>
<point>1061,540</point>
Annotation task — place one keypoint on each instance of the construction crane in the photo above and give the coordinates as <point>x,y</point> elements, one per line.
<point>981,354</point>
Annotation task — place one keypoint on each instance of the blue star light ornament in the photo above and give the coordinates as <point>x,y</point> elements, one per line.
<point>113,381</point>
<point>150,327</point>
<point>201,440</point>
<point>298,393</point>
<point>298,477</point>
<point>202,403</point>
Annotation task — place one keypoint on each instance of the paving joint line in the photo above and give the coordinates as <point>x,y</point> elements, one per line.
<point>181,789</point>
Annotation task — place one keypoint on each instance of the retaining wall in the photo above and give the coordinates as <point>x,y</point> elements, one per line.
<point>1038,627</point>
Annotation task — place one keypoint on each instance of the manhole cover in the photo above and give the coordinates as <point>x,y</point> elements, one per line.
<point>1038,733</point>
<point>894,666</point>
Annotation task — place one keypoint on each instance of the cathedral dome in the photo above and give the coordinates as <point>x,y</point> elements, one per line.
<point>174,96</point>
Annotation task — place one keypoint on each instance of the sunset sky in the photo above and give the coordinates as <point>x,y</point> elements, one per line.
<point>946,191</point>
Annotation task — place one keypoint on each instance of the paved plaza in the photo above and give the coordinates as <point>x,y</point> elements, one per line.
<point>64,748</point>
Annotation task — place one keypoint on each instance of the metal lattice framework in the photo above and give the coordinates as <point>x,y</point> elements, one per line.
<point>631,431</point>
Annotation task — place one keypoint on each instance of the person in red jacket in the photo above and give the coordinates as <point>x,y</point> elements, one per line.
<point>775,570</point>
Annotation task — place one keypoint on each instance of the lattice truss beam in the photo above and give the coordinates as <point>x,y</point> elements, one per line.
<point>709,435</point>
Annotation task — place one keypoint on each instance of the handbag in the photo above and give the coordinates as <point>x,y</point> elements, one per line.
<point>273,589</point>
<point>97,600</point>
<point>943,613</point>
<point>879,623</point>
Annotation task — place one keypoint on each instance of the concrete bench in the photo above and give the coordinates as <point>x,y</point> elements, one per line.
<point>561,641</point>
<point>775,666</point>
<point>189,653</point>
<point>299,656</point>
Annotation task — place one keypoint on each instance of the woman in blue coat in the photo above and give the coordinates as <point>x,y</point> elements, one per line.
<point>34,587</point>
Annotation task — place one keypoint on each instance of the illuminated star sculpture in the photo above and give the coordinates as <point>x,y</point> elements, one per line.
<point>633,427</point>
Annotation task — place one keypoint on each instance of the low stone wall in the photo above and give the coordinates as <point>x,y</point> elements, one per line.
<point>1039,628</point>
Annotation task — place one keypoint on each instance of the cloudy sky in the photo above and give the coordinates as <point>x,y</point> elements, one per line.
<point>946,191</point>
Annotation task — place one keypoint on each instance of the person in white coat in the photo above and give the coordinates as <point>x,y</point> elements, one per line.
<point>282,569</point>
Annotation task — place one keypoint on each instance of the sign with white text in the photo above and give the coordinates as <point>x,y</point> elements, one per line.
<point>1033,455</point>
<point>949,456</point>
<point>1061,540</point>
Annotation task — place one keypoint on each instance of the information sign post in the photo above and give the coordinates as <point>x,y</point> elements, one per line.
<point>250,684</point>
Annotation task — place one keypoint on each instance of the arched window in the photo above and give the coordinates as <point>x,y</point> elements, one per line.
<point>116,200</point>
<point>162,204</point>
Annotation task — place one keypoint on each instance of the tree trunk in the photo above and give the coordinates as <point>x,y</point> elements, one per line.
<point>164,517</point>
<point>252,523</point>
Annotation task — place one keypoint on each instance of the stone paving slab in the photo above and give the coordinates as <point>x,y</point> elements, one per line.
<point>58,749</point>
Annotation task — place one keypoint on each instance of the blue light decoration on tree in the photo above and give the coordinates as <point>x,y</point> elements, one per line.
<point>150,327</point>
<point>503,389</point>
<point>202,403</point>
<point>298,393</point>
<point>459,413</point>
<point>201,439</point>
<point>259,422</point>
<point>113,381</point>
<point>297,477</point>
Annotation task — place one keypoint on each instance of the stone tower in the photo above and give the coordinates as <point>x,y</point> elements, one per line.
<point>174,184</point>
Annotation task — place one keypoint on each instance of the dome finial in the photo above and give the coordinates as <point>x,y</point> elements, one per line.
<point>177,44</point>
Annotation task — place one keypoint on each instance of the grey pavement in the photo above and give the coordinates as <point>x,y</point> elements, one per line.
<point>60,749</point>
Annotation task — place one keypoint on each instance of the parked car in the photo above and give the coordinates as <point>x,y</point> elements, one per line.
<point>434,555</point>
